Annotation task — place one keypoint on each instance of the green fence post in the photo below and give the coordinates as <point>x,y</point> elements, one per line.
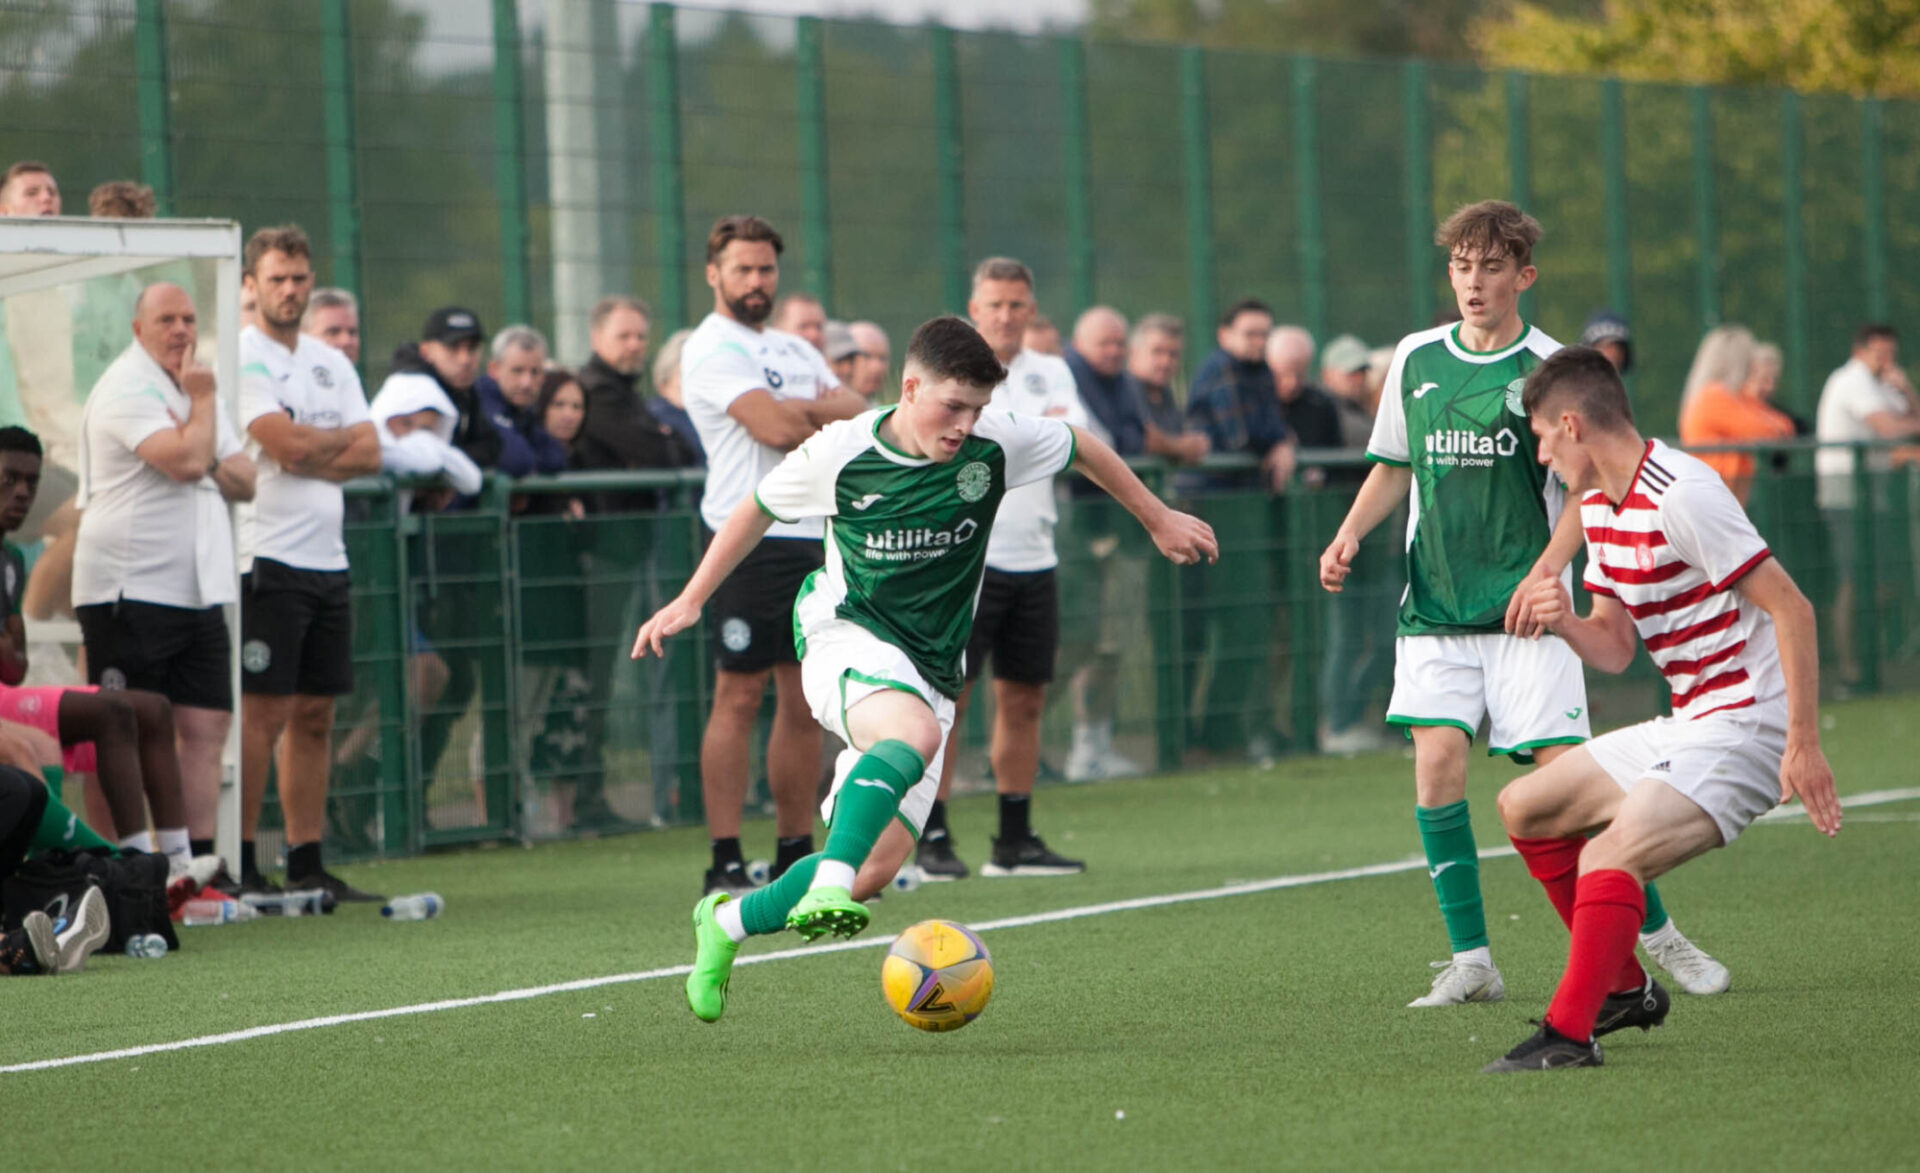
<point>510,161</point>
<point>1520,158</point>
<point>1613,154</point>
<point>343,173</point>
<point>1873,194</point>
<point>1306,200</point>
<point>1793,242</point>
<point>810,112</point>
<point>1706,226</point>
<point>1077,164</point>
<point>951,168</point>
<point>1199,183</point>
<point>1418,200</point>
<point>1166,609</point>
<point>499,679</point>
<point>669,197</point>
<point>155,101</point>
<point>400,799</point>
<point>1865,571</point>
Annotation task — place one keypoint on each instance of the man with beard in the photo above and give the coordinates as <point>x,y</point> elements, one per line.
<point>755,394</point>
<point>308,431</point>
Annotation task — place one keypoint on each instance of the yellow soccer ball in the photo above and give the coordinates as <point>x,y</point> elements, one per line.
<point>937,976</point>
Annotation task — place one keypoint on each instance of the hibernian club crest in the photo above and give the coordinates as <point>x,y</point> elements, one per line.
<point>973,482</point>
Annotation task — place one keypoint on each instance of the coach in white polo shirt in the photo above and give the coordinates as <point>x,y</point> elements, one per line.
<point>754,394</point>
<point>153,562</point>
<point>307,426</point>
<point>1016,621</point>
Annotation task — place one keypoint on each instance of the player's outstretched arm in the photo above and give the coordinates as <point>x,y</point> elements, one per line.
<point>1561,547</point>
<point>1604,639</point>
<point>1380,494</point>
<point>1183,538</point>
<point>1803,768</point>
<point>745,526</point>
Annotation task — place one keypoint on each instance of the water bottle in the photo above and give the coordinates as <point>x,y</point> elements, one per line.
<point>420,906</point>
<point>146,945</point>
<point>301,902</point>
<point>215,911</point>
<point>907,878</point>
<point>759,871</point>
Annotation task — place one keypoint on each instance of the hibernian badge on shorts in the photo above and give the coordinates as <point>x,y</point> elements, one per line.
<point>973,481</point>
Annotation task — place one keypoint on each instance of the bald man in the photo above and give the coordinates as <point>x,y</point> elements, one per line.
<point>1311,414</point>
<point>874,368</point>
<point>154,560</point>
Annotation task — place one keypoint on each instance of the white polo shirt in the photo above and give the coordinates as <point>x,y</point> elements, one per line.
<point>1022,538</point>
<point>721,361</point>
<point>144,536</point>
<point>294,519</point>
<point>1851,395</point>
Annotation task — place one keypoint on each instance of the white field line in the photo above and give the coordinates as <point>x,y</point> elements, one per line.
<point>1871,798</point>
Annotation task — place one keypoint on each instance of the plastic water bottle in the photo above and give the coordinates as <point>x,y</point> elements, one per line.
<point>907,878</point>
<point>206,911</point>
<point>146,945</point>
<point>302,902</point>
<point>421,906</point>
<point>759,871</point>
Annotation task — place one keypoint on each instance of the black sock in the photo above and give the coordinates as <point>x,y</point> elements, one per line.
<point>791,848</point>
<point>936,827</point>
<point>1014,809</point>
<point>200,846</point>
<point>726,852</point>
<point>249,859</point>
<point>304,860</point>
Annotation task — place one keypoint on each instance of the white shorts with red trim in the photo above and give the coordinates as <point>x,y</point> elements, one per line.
<point>1727,763</point>
<point>844,664</point>
<point>1531,691</point>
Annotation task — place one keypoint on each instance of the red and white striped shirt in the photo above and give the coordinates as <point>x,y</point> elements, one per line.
<point>1671,553</point>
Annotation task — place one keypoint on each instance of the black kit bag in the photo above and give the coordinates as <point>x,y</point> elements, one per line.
<point>134,884</point>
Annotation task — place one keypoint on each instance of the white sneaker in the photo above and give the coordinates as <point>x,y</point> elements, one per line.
<point>1083,761</point>
<point>1114,764</point>
<point>1686,963</point>
<point>84,934</point>
<point>1463,981</point>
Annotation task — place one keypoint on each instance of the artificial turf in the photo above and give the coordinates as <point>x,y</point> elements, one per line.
<point>1254,1031</point>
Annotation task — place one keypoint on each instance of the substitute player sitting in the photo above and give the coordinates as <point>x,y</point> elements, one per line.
<point>1671,556</point>
<point>909,495</point>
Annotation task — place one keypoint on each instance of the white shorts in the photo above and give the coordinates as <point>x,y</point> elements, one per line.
<point>1726,763</point>
<point>1532,691</point>
<point>843,665</point>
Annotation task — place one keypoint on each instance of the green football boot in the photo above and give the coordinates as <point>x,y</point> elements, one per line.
<point>827,910</point>
<point>712,961</point>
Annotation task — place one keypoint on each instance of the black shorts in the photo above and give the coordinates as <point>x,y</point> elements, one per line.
<point>751,614</point>
<point>296,631</point>
<point>1018,624</point>
<point>182,653</point>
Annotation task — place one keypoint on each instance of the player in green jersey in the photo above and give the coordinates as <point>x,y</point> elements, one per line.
<point>909,494</point>
<point>1452,438</point>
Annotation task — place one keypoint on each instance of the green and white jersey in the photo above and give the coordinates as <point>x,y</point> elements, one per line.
<point>1482,505</point>
<point>907,536</point>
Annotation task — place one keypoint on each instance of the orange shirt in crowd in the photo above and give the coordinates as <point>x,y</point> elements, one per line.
<point>1720,416</point>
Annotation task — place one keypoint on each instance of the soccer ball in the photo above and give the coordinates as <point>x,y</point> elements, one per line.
<point>937,976</point>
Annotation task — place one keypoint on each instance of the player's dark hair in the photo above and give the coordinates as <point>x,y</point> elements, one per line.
<point>1585,380</point>
<point>950,348</point>
<point>1246,305</point>
<point>728,229</point>
<point>18,439</point>
<point>1873,332</point>
<point>1490,228</point>
<point>282,238</point>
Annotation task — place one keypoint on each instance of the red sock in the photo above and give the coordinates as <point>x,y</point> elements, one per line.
<point>1607,911</point>
<point>1555,862</point>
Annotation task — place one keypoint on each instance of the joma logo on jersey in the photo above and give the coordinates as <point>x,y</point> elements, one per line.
<point>1462,447</point>
<point>923,542</point>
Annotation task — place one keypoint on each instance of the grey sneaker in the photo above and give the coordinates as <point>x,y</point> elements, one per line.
<point>1686,963</point>
<point>84,934</point>
<point>1459,982</point>
<point>1547,1050</point>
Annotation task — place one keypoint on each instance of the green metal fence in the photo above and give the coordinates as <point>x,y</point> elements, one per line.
<point>525,157</point>
<point>495,699</point>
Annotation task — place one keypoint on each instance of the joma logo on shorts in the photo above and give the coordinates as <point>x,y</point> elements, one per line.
<point>924,538</point>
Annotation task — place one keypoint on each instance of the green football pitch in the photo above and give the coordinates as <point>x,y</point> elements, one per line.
<point>1234,1028</point>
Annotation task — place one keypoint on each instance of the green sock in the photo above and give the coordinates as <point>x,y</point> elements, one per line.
<point>868,798</point>
<point>764,910</point>
<point>60,827</point>
<point>1656,911</point>
<point>1454,866</point>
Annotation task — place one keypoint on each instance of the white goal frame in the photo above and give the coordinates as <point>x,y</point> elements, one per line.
<point>39,252</point>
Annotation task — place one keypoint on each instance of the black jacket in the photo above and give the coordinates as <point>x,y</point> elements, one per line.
<point>620,432</point>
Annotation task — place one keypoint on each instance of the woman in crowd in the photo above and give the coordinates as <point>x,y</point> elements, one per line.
<point>1727,402</point>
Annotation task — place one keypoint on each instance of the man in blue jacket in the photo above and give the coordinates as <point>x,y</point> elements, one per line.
<point>517,361</point>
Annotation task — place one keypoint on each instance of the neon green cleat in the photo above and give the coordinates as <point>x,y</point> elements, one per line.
<point>712,961</point>
<point>827,910</point>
